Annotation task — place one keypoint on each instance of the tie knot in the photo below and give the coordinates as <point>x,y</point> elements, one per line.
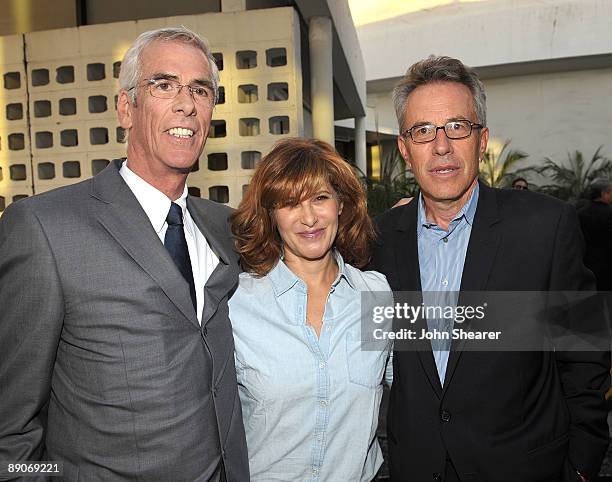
<point>175,215</point>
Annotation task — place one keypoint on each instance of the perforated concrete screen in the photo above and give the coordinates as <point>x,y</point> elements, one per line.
<point>58,92</point>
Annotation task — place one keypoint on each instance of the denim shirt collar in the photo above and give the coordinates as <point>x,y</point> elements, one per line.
<point>467,211</point>
<point>283,279</point>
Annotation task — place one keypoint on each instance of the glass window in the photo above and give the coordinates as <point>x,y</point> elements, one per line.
<point>246,59</point>
<point>71,169</point>
<point>42,108</point>
<point>279,125</point>
<point>218,194</point>
<point>16,142</point>
<point>249,126</point>
<point>64,74</point>
<point>14,111</point>
<point>249,159</point>
<point>69,138</point>
<point>95,71</point>
<point>67,106</point>
<point>46,170</point>
<point>278,91</point>
<point>97,104</point>
<point>43,140</point>
<point>98,135</point>
<point>217,161</point>
<point>276,57</point>
<point>40,77</point>
<point>247,94</point>
<point>98,165</point>
<point>218,56</point>
<point>194,191</point>
<point>18,172</point>
<point>217,129</point>
<point>12,80</point>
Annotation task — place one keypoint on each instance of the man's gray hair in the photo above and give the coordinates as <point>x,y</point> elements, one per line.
<point>129,75</point>
<point>439,69</point>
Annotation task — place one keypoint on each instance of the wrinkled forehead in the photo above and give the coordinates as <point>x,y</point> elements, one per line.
<point>438,103</point>
<point>175,58</point>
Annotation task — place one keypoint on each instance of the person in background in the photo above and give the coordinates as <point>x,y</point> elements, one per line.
<point>520,183</point>
<point>310,389</point>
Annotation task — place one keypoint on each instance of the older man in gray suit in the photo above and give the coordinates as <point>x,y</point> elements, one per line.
<point>115,343</point>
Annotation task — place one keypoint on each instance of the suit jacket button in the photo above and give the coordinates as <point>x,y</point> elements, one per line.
<point>437,477</point>
<point>204,331</point>
<point>214,392</point>
<point>445,416</point>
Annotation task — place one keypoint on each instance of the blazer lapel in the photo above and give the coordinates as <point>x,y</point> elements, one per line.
<point>407,258</point>
<point>122,216</point>
<point>225,276</point>
<point>481,251</point>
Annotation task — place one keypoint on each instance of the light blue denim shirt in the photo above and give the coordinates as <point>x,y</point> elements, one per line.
<point>310,405</point>
<point>441,258</point>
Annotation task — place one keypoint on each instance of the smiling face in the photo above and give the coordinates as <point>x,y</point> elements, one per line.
<point>166,136</point>
<point>446,170</point>
<point>308,230</point>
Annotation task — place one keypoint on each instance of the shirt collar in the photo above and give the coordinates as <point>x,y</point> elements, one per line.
<point>467,211</point>
<point>155,203</point>
<point>283,279</point>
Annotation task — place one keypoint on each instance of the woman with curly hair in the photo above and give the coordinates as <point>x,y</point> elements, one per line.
<point>310,388</point>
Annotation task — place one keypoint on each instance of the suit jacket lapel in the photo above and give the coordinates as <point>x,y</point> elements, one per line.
<point>122,216</point>
<point>481,251</point>
<point>407,258</point>
<point>225,276</point>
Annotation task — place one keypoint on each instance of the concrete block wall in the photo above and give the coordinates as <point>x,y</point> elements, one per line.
<point>67,95</point>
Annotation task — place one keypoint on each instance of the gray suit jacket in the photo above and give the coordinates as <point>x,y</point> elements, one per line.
<point>103,364</point>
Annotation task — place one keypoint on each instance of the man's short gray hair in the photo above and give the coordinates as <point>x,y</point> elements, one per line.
<point>129,76</point>
<point>439,69</point>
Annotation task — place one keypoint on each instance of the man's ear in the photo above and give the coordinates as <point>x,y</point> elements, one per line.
<point>401,145</point>
<point>484,142</point>
<point>124,109</point>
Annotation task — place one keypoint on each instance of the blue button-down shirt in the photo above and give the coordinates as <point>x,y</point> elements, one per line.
<point>441,259</point>
<point>310,405</point>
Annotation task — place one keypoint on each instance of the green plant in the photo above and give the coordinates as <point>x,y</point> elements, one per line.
<point>495,167</point>
<point>395,182</point>
<point>571,179</point>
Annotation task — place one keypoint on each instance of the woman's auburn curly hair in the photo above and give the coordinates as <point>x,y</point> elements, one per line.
<point>292,171</point>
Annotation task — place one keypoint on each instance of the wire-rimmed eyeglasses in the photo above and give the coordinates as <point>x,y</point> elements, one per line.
<point>459,129</point>
<point>170,88</point>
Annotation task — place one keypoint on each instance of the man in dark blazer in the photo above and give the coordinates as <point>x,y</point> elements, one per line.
<point>115,342</point>
<point>596,223</point>
<point>480,415</point>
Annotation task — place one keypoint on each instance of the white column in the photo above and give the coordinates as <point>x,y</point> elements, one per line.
<point>360,144</point>
<point>321,78</point>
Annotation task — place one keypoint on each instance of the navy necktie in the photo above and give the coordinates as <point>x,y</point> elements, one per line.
<point>176,244</point>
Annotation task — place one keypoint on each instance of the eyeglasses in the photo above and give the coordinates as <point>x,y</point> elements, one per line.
<point>454,130</point>
<point>169,89</point>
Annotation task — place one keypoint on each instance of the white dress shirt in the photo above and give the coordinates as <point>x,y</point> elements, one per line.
<point>157,205</point>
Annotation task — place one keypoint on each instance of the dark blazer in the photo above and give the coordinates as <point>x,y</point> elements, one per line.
<point>596,223</point>
<point>502,416</point>
<point>104,365</point>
